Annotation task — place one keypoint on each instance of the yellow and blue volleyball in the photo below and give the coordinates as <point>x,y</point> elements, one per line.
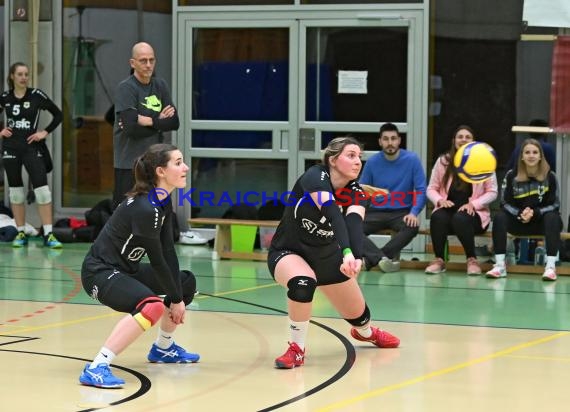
<point>475,162</point>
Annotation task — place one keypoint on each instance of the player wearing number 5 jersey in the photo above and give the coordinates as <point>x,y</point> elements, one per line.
<point>24,145</point>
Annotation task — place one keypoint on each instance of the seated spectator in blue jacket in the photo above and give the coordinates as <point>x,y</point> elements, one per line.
<point>401,173</point>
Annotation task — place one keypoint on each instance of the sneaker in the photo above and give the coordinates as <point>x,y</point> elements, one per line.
<point>51,241</point>
<point>498,271</point>
<point>174,354</point>
<point>436,266</point>
<point>100,377</point>
<point>387,265</point>
<point>473,268</point>
<point>20,240</point>
<point>549,274</point>
<point>380,338</point>
<point>191,238</point>
<point>294,357</point>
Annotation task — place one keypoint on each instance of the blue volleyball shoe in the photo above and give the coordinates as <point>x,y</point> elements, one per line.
<point>174,354</point>
<point>100,377</point>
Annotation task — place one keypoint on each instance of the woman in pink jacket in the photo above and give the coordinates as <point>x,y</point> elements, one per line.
<point>461,208</point>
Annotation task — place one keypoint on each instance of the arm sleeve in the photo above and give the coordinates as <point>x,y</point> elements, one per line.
<point>57,115</point>
<point>168,123</point>
<point>129,119</point>
<point>355,234</point>
<point>170,282</point>
<point>331,211</point>
<point>167,241</point>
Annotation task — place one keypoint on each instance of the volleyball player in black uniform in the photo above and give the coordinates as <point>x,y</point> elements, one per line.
<point>318,243</point>
<point>112,272</point>
<point>23,144</point>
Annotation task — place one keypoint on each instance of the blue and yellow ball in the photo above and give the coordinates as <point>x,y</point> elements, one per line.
<point>475,162</point>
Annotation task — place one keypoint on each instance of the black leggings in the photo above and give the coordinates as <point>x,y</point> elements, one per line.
<point>549,225</point>
<point>448,221</point>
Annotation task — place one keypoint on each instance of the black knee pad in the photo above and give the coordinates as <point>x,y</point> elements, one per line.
<point>362,319</point>
<point>301,289</point>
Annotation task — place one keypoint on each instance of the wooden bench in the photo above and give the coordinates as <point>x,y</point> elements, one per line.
<point>223,240</point>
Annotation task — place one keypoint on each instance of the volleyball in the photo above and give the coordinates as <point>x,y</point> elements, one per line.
<point>475,162</point>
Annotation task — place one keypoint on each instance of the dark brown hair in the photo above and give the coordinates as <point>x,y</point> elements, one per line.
<point>450,171</point>
<point>145,166</point>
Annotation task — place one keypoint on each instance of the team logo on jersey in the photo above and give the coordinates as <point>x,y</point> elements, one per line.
<point>26,105</point>
<point>19,124</point>
<point>308,225</point>
<point>153,103</point>
<point>136,254</point>
<point>312,228</point>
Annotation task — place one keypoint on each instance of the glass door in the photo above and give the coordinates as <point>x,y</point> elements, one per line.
<point>239,132</point>
<point>264,96</point>
<point>354,75</point>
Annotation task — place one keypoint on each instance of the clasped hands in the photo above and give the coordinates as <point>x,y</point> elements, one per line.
<point>526,215</point>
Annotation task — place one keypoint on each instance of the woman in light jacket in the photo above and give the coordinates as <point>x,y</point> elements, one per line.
<point>460,208</point>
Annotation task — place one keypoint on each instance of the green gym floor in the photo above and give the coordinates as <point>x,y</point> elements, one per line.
<point>468,343</point>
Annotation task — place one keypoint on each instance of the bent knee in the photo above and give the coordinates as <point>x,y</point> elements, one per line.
<point>148,312</point>
<point>301,289</point>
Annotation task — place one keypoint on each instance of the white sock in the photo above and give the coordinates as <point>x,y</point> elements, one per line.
<point>298,332</point>
<point>47,229</point>
<point>550,262</point>
<point>104,356</point>
<point>500,260</point>
<point>164,340</point>
<point>21,228</point>
<point>364,331</point>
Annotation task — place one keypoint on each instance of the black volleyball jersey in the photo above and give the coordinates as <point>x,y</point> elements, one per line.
<point>138,228</point>
<point>302,220</point>
<point>23,114</point>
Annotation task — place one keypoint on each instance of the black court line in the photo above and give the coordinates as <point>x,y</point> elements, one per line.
<point>345,368</point>
<point>145,383</point>
<point>19,339</point>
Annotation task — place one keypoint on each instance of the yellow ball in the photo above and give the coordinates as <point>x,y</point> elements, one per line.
<point>475,162</point>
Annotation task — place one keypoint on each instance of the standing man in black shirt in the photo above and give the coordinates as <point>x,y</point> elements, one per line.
<point>143,111</point>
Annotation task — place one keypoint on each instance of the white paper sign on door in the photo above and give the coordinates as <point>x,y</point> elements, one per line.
<point>352,82</point>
